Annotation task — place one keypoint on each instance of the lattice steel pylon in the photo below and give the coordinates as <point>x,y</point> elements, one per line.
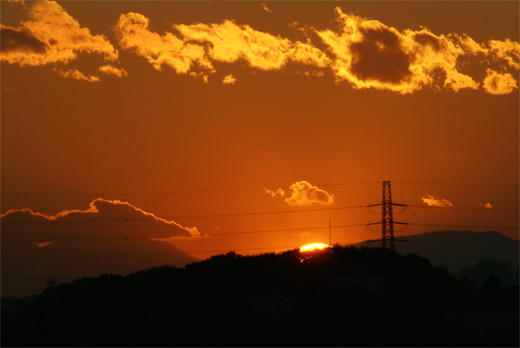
<point>388,217</point>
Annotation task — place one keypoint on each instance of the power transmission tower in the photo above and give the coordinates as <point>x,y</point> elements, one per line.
<point>388,217</point>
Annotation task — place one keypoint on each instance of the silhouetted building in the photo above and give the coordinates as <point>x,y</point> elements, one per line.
<point>502,269</point>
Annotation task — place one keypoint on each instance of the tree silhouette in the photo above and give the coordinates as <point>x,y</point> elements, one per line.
<point>273,299</point>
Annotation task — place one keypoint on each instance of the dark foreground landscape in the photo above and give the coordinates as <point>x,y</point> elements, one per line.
<point>342,296</point>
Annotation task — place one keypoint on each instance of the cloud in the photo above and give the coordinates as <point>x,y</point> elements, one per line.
<point>229,79</point>
<point>274,193</point>
<point>90,222</point>
<point>436,202</point>
<point>53,37</point>
<point>486,205</point>
<point>499,83</point>
<point>365,53</point>
<point>17,1</point>
<point>229,42</point>
<point>167,50</point>
<point>302,193</point>
<point>108,237</point>
<point>369,54</point>
<point>507,50</point>
<point>112,70</point>
<point>77,75</point>
<point>265,8</point>
<point>198,45</point>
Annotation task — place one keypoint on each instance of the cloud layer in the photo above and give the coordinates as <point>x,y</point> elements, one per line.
<point>302,193</point>
<point>361,52</point>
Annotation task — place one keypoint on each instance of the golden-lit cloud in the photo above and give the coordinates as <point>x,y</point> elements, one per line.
<point>77,75</point>
<point>198,45</point>
<point>273,193</point>
<point>436,202</point>
<point>370,54</point>
<point>302,193</point>
<point>229,79</point>
<point>362,52</point>
<point>507,50</point>
<point>167,50</point>
<point>102,211</point>
<point>265,8</point>
<point>201,75</point>
<point>52,37</point>
<point>486,205</point>
<point>229,42</point>
<point>112,70</point>
<point>499,83</point>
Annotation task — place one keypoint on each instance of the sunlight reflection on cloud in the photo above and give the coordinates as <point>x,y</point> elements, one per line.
<point>54,36</point>
<point>302,193</point>
<point>436,202</point>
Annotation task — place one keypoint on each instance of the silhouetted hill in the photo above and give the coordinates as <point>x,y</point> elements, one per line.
<point>458,249</point>
<point>343,296</point>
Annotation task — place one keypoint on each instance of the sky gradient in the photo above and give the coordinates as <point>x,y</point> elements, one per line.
<point>248,126</point>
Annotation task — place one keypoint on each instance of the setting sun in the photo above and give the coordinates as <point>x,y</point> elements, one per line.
<point>311,247</point>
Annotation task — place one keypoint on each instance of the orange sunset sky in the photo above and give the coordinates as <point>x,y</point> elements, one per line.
<point>247,125</point>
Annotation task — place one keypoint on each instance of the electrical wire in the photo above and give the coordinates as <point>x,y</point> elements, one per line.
<point>463,208</point>
<point>182,216</point>
<point>454,184</point>
<point>240,189</point>
<point>172,192</point>
<point>167,237</point>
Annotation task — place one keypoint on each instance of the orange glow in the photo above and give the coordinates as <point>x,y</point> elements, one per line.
<point>311,247</point>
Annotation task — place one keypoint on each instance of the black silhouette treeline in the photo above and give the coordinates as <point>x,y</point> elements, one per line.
<point>216,303</point>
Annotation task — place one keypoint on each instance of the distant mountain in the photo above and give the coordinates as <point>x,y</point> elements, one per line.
<point>39,250</point>
<point>457,249</point>
<point>27,269</point>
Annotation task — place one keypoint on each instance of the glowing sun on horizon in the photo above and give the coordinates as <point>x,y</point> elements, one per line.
<point>311,247</point>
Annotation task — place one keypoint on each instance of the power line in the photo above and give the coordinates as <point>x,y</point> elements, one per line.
<point>29,257</point>
<point>167,237</point>
<point>456,243</point>
<point>239,232</point>
<point>171,192</point>
<point>455,184</point>
<point>183,216</point>
<point>239,189</point>
<point>471,226</point>
<point>25,257</point>
<point>175,217</point>
<point>237,214</point>
<point>464,208</point>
